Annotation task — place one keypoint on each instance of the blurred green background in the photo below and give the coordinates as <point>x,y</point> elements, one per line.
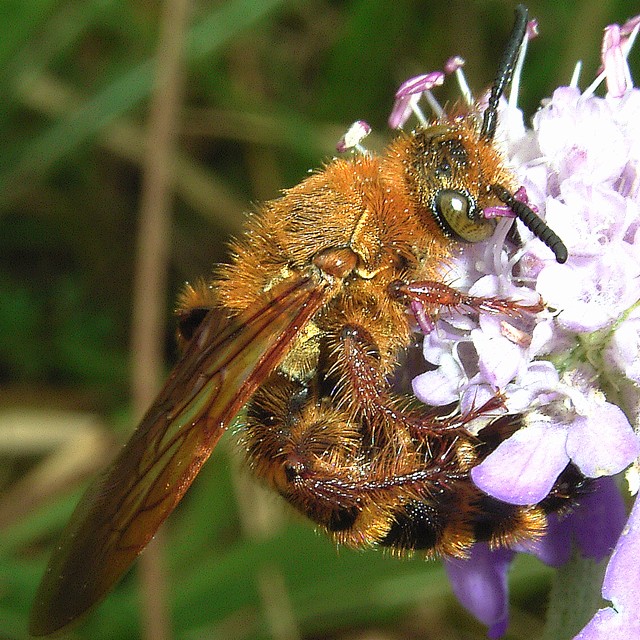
<point>267,88</point>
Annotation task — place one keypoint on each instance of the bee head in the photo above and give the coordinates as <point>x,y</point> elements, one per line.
<point>457,173</point>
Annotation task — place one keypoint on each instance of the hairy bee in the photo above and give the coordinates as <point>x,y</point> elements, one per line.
<point>306,327</point>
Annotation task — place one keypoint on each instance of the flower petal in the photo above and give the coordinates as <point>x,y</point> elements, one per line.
<point>440,386</point>
<point>621,582</point>
<point>622,352</point>
<point>598,520</point>
<point>523,468</point>
<point>555,547</point>
<point>536,384</point>
<point>591,292</point>
<point>498,358</point>
<point>603,442</point>
<point>480,584</point>
<point>622,587</point>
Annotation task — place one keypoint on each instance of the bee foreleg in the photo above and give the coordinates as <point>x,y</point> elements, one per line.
<point>431,295</point>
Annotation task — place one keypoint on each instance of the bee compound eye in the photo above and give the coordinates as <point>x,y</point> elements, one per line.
<point>456,214</point>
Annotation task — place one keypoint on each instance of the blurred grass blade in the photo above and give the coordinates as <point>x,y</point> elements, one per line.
<point>208,36</point>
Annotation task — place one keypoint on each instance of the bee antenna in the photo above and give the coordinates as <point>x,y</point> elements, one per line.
<point>505,71</point>
<point>533,222</point>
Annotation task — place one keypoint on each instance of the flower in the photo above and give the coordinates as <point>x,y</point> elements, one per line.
<point>480,581</point>
<point>571,371</point>
<point>621,587</point>
<point>577,425</point>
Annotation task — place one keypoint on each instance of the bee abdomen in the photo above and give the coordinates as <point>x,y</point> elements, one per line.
<point>418,526</point>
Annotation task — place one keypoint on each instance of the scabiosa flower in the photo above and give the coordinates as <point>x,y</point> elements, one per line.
<point>571,371</point>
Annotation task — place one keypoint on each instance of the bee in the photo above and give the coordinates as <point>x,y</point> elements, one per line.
<point>305,329</point>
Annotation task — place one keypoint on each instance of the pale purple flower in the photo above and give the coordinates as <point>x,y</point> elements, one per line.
<point>578,138</point>
<point>571,371</point>
<point>623,349</point>
<point>480,581</point>
<point>621,587</point>
<point>574,423</point>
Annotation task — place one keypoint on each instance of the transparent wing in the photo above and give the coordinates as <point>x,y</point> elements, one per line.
<point>123,508</point>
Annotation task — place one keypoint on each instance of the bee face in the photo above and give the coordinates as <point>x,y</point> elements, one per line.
<point>305,328</point>
<point>452,172</point>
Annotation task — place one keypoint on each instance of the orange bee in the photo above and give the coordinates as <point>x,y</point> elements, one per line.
<point>305,328</point>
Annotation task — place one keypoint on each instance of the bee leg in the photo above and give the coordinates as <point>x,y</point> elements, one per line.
<point>194,303</point>
<point>312,453</point>
<point>431,295</point>
<point>360,363</point>
<point>359,506</point>
<point>359,509</point>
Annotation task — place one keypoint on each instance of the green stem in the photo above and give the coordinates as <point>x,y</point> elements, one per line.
<point>575,596</point>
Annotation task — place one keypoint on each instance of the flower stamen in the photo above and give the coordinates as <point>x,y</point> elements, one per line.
<point>454,65</point>
<point>408,96</point>
<point>353,137</point>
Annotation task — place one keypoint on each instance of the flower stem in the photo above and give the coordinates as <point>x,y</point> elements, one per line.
<point>575,596</point>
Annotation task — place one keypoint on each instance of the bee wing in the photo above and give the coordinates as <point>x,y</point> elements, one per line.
<point>123,508</point>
